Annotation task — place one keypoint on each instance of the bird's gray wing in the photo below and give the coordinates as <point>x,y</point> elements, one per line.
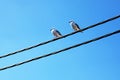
<point>58,32</point>
<point>77,25</point>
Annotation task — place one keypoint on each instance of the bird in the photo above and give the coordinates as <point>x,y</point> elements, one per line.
<point>55,32</point>
<point>74,25</point>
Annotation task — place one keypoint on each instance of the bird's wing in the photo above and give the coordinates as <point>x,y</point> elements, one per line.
<point>77,25</point>
<point>58,32</point>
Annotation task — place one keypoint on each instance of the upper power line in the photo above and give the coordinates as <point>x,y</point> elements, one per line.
<point>56,52</point>
<point>43,43</point>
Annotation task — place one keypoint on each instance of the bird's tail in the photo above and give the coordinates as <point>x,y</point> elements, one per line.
<point>80,30</point>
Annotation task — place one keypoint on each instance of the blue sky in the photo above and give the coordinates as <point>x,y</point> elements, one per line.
<point>28,22</point>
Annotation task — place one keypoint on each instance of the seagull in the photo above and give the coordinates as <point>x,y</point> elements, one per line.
<point>74,25</point>
<point>56,33</point>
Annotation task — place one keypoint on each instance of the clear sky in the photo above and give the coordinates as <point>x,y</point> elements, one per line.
<point>24,23</point>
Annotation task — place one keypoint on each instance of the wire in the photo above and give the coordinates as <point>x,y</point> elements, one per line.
<point>56,52</point>
<point>43,43</point>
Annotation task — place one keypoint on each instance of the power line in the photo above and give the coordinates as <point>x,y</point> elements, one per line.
<point>43,43</point>
<point>56,52</point>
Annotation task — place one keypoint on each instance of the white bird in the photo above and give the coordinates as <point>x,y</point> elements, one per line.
<point>74,25</point>
<point>56,33</point>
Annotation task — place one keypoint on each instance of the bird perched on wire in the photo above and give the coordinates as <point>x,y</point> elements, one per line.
<point>74,25</point>
<point>56,33</point>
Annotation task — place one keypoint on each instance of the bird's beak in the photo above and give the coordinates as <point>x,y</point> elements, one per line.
<point>50,29</point>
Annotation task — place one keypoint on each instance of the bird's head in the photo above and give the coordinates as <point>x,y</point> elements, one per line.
<point>52,29</point>
<point>71,21</point>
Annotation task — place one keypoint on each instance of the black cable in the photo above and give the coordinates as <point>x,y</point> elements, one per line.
<point>43,43</point>
<point>56,52</point>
